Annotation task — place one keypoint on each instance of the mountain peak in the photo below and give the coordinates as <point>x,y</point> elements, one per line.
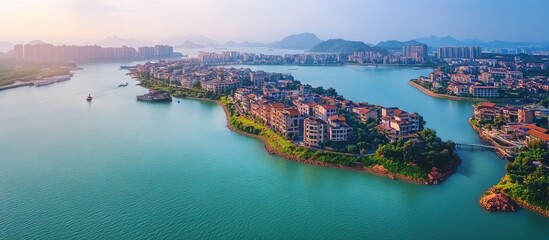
<point>304,40</point>
<point>37,42</point>
<point>340,45</point>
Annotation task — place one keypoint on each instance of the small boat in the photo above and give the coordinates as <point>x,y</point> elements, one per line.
<point>89,98</point>
<point>123,85</point>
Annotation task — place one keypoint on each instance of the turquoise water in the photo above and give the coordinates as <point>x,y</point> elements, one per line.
<point>119,169</point>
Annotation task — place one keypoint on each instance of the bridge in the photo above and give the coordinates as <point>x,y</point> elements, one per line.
<point>475,146</point>
<point>505,151</point>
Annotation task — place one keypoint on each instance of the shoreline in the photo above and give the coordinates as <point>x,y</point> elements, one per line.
<point>457,98</point>
<point>518,201</point>
<point>376,169</point>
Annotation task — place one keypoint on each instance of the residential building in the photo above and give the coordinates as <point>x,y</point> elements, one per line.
<point>315,132</point>
<point>416,52</point>
<point>324,111</point>
<point>338,129</point>
<point>365,113</point>
<point>525,116</point>
<point>484,91</point>
<point>459,52</point>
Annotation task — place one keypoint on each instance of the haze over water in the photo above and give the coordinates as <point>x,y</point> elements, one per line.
<point>117,168</point>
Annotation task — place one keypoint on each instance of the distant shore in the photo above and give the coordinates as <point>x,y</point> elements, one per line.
<point>457,98</point>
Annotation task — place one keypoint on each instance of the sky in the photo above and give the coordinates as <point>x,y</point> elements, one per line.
<point>371,21</point>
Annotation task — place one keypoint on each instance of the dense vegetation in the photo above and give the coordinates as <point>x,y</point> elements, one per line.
<point>11,71</point>
<point>527,176</point>
<point>426,152</point>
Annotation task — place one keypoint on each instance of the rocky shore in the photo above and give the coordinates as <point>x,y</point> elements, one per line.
<point>498,202</point>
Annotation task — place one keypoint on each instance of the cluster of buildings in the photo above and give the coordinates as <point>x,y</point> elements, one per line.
<point>224,58</point>
<point>279,102</point>
<point>488,78</point>
<point>459,52</point>
<point>516,123</point>
<point>43,52</point>
<point>318,119</point>
<point>411,54</point>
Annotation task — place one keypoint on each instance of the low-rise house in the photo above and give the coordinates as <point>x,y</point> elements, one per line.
<point>338,129</point>
<point>459,90</point>
<point>485,111</point>
<point>218,85</point>
<point>400,123</point>
<point>324,111</point>
<point>315,132</point>
<point>365,113</point>
<point>537,133</point>
<point>484,91</point>
<point>287,121</point>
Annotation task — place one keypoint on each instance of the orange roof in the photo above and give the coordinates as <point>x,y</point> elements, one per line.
<point>488,104</point>
<point>363,110</point>
<point>329,107</point>
<point>292,111</point>
<point>337,118</point>
<point>536,128</point>
<point>540,135</point>
<point>277,105</point>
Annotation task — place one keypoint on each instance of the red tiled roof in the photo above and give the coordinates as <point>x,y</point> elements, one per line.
<point>539,135</point>
<point>488,104</point>
<point>293,111</point>
<point>329,107</point>
<point>536,128</point>
<point>363,110</point>
<point>277,105</point>
<point>337,118</point>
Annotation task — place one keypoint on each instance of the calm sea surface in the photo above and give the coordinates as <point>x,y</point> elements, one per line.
<point>120,169</point>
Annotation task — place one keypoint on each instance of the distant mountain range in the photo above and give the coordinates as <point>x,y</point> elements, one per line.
<point>344,46</point>
<point>297,41</point>
<point>190,40</point>
<point>6,46</point>
<point>308,41</point>
<point>434,41</point>
<point>396,45</point>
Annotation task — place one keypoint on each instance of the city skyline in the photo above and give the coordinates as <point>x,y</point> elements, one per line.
<point>87,22</point>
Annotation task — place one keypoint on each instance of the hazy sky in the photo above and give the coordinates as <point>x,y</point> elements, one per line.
<point>87,21</point>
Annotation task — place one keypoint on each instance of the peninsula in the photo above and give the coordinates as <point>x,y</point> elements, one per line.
<point>21,73</point>
<point>517,135</point>
<point>310,124</point>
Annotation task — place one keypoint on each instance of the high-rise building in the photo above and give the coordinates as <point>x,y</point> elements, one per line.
<point>145,52</point>
<point>416,52</point>
<point>50,53</point>
<point>163,51</point>
<point>459,52</point>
